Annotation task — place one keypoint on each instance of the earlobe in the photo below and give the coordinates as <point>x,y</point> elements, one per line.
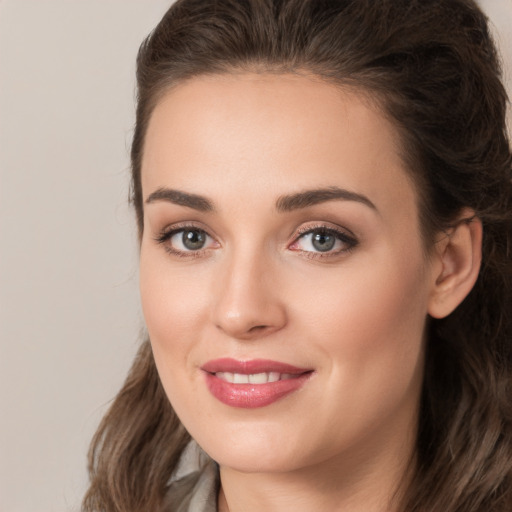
<point>458,257</point>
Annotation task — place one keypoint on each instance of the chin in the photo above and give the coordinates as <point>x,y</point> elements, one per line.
<point>257,461</point>
<point>255,450</point>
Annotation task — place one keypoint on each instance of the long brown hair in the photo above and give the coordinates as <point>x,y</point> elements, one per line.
<point>432,67</point>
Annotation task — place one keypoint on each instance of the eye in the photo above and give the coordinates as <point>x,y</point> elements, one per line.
<point>186,241</point>
<point>324,241</point>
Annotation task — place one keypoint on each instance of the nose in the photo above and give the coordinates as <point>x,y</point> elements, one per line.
<point>248,303</point>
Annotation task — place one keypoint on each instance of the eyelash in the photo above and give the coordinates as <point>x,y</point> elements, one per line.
<point>349,240</point>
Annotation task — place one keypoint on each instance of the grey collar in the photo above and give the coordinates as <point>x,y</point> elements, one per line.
<point>194,485</point>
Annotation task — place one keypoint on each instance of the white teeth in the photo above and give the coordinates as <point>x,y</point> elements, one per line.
<point>258,378</point>
<point>274,377</point>
<point>253,378</point>
<point>239,378</point>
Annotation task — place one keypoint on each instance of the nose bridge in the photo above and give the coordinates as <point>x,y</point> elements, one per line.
<point>247,303</point>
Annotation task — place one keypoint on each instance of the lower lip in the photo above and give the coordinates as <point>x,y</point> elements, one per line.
<point>250,396</point>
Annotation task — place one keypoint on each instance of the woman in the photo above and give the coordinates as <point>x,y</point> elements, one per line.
<point>324,202</point>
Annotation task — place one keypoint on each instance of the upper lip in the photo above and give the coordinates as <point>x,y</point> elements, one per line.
<point>251,367</point>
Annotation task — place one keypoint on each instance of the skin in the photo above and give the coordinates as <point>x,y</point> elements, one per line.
<point>260,289</point>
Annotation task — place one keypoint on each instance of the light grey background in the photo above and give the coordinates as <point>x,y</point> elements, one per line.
<point>69,312</point>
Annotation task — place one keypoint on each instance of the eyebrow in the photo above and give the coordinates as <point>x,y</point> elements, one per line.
<point>180,198</point>
<point>286,203</point>
<point>308,198</point>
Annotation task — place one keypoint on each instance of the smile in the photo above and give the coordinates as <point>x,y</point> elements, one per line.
<point>255,383</point>
<point>253,378</point>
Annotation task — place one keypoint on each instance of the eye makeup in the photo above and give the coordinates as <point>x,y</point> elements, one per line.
<point>186,240</point>
<point>322,240</point>
<point>314,241</point>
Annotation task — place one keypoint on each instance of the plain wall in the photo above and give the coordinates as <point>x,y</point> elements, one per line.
<point>69,311</point>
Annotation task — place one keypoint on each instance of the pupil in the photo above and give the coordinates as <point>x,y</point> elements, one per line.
<point>323,241</point>
<point>193,240</point>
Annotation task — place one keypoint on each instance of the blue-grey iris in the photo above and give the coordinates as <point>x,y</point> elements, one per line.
<point>194,239</point>
<point>323,241</point>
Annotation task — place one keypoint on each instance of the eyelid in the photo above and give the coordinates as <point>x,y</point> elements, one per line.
<point>170,229</point>
<point>327,226</point>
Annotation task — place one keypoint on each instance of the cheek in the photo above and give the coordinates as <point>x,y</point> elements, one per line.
<point>385,310</point>
<point>172,303</point>
<point>368,326</point>
<point>369,319</point>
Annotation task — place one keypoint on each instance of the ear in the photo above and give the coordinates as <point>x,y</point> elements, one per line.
<point>457,258</point>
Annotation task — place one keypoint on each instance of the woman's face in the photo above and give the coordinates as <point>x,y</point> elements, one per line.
<point>283,278</point>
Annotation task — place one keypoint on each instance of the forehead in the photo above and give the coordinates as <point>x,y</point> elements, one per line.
<point>251,132</point>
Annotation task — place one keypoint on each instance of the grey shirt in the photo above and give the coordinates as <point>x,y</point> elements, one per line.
<point>194,485</point>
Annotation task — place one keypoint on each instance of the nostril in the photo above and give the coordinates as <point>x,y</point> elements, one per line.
<point>257,328</point>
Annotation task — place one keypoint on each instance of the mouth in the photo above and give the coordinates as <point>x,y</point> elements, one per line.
<point>254,383</point>
<point>253,378</point>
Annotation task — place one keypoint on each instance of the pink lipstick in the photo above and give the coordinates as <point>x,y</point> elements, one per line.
<point>254,383</point>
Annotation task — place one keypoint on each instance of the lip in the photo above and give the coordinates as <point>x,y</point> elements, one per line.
<point>252,366</point>
<point>251,396</point>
